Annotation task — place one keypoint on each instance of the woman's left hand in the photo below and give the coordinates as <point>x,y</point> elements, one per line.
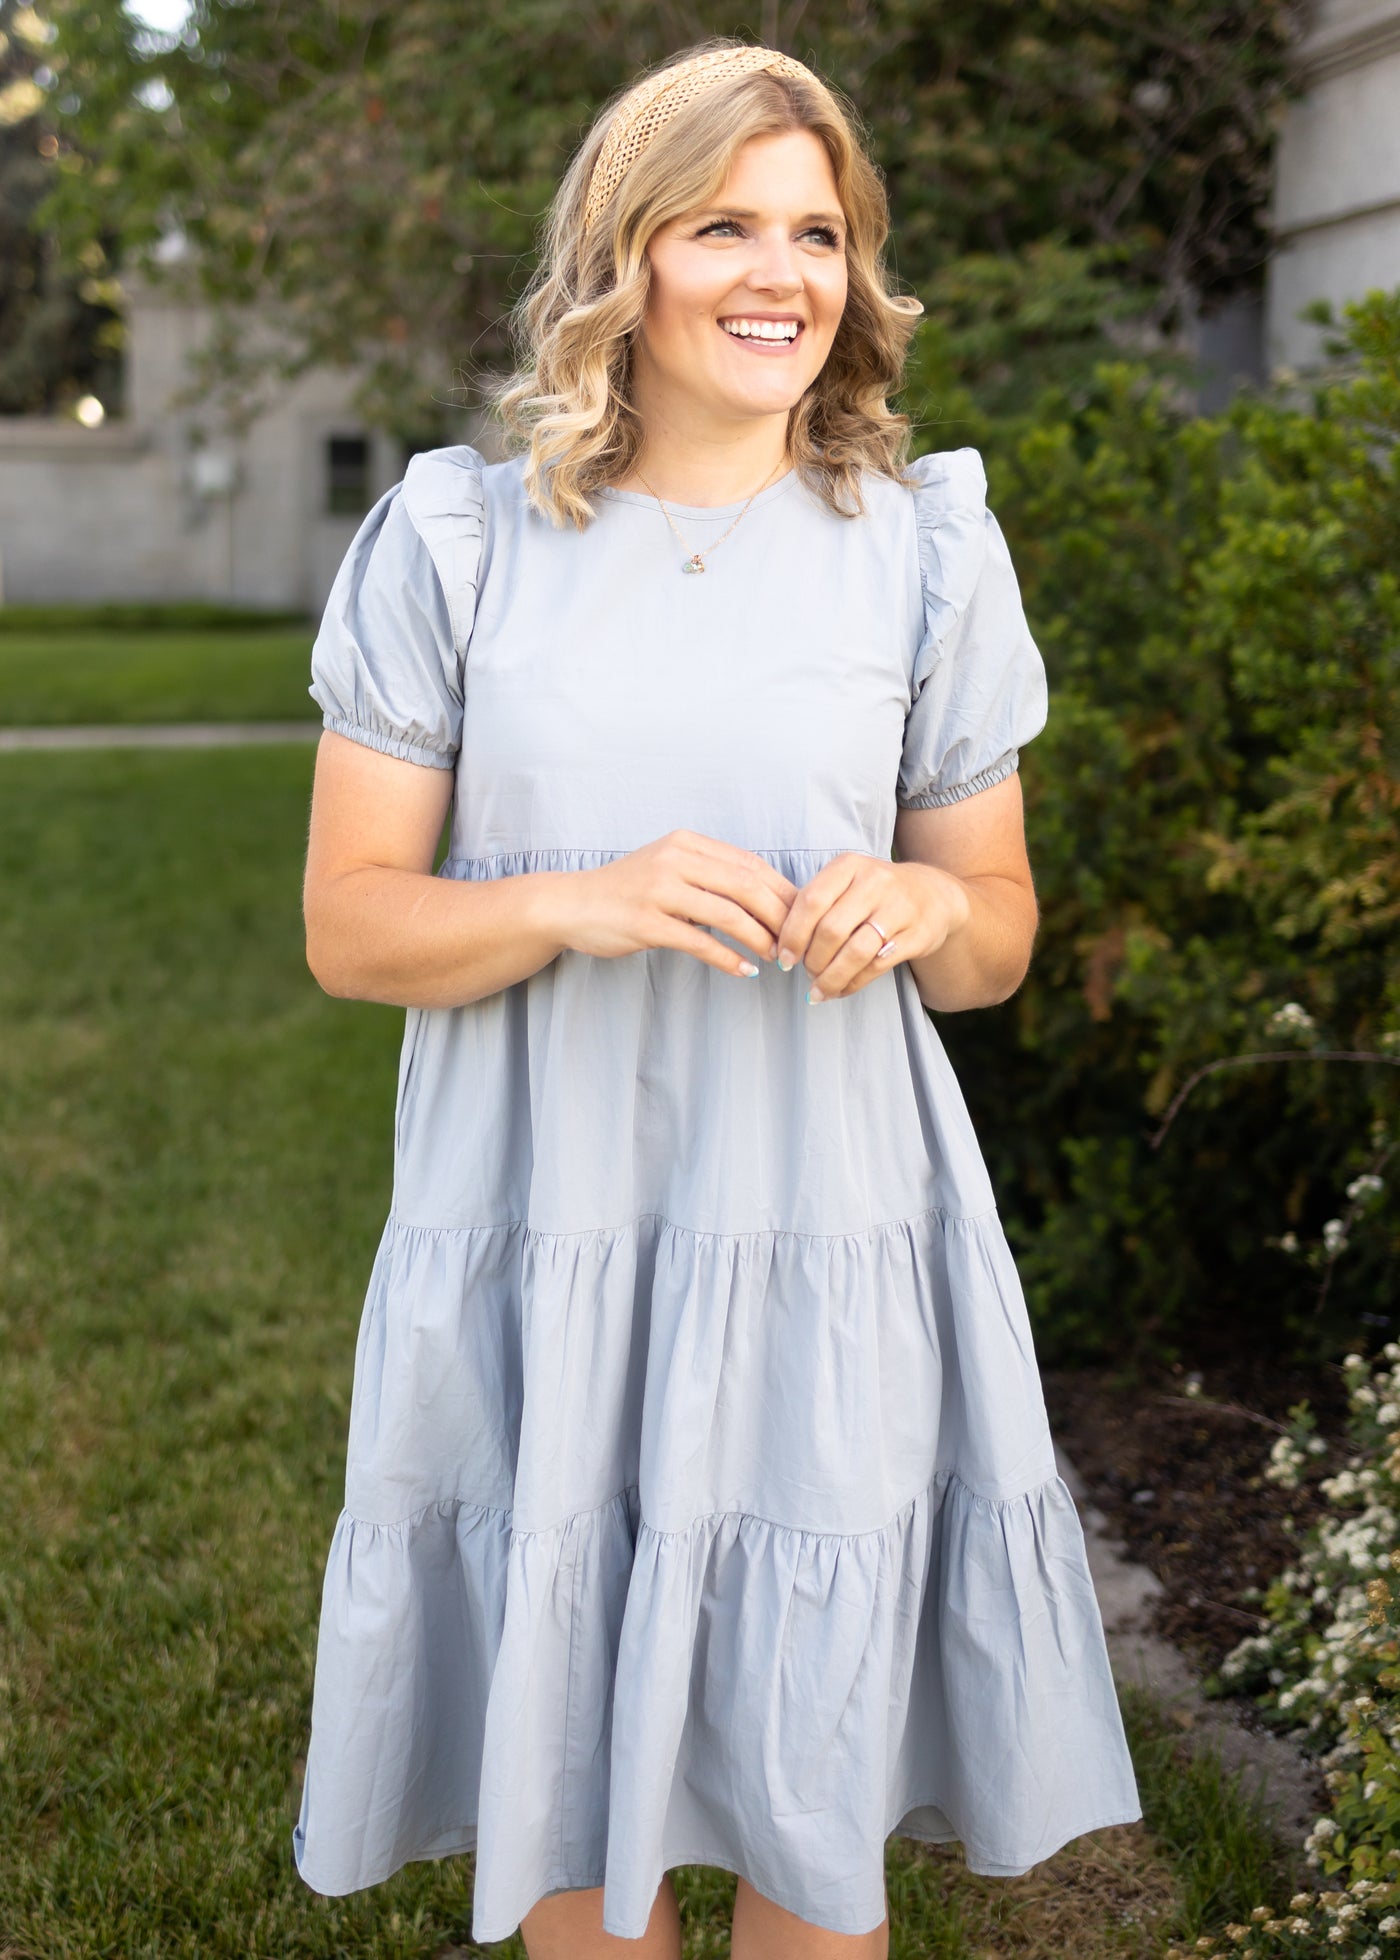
<point>828,925</point>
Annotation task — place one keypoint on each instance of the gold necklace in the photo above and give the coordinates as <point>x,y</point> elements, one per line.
<point>696,560</point>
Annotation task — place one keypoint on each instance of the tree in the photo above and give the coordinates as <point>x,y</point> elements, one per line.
<point>374,172</point>
<point>59,329</point>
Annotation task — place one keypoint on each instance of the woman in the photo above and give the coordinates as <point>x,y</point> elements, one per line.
<point>700,1506</point>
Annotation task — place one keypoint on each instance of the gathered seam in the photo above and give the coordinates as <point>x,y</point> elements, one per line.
<point>621,850</point>
<point>633,1490</point>
<point>694,1232</point>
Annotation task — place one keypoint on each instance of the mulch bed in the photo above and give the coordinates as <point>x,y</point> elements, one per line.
<point>1181,1480</point>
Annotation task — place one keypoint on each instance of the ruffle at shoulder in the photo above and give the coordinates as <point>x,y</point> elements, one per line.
<point>444,496</point>
<point>977,682</point>
<point>387,664</point>
<point>950,516</point>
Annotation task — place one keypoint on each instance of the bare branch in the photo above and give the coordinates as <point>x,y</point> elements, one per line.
<point>1251,1061</point>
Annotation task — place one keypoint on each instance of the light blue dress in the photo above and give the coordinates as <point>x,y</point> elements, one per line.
<point>700,1503</point>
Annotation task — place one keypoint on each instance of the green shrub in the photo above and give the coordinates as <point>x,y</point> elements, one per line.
<point>1212,816</point>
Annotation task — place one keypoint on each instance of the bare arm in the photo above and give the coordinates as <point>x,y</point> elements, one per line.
<point>978,844</point>
<point>380,926</point>
<point>958,903</point>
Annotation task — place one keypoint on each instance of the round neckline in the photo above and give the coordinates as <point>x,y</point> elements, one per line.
<point>694,511</point>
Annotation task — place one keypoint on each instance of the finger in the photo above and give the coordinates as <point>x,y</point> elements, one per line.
<point>712,909</point>
<point>854,968</point>
<point>862,900</point>
<point>857,952</point>
<point>742,880</point>
<point>741,859</point>
<point>679,936</point>
<point>813,902</point>
<point>767,901</point>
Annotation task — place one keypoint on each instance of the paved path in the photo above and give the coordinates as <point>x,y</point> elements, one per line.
<point>169,735</point>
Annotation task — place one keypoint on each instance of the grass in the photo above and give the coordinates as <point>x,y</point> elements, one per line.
<point>60,671</point>
<point>193,1174</point>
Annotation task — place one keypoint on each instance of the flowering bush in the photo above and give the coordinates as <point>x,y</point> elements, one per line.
<point>1360,1923</point>
<point>1328,1665</point>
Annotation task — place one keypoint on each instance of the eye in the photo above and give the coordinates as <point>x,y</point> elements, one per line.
<point>825,233</point>
<point>719,224</point>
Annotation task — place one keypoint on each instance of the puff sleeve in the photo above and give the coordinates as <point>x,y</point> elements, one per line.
<point>386,665</point>
<point>977,689</point>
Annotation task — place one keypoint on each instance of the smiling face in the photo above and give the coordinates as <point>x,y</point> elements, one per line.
<point>746,293</point>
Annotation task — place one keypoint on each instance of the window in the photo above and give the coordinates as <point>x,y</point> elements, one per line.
<point>347,476</point>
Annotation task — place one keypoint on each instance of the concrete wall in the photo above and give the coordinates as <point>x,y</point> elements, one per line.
<point>1336,204</point>
<point>138,508</point>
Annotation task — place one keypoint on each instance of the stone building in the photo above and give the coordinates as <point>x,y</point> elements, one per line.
<point>165,503</point>
<point>1336,203</point>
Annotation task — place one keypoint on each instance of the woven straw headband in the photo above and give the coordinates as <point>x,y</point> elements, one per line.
<point>653,102</point>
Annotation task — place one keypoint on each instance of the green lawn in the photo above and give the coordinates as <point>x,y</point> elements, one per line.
<point>95,674</point>
<point>194,1169</point>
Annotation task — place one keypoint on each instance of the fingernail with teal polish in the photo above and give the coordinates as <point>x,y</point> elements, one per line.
<point>748,970</point>
<point>814,994</point>
<point>786,961</point>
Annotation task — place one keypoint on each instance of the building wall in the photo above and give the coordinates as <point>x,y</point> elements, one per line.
<point>1336,203</point>
<point>167,504</point>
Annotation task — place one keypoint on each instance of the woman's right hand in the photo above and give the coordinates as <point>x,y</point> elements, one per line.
<point>666,893</point>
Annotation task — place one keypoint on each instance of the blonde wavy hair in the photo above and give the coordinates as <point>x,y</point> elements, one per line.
<point>569,402</point>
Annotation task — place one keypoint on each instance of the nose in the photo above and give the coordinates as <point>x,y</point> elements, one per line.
<point>776,267</point>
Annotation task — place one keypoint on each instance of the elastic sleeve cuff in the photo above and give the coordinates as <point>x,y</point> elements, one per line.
<point>372,738</point>
<point>933,799</point>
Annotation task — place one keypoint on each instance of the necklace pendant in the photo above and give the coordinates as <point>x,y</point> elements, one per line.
<point>694,564</point>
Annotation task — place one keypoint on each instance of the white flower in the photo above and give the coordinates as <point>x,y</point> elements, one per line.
<point>1368,1185</point>
<point>1390,1926</point>
<point>1334,1236</point>
<point>1291,1018</point>
<point>1316,1446</point>
<point>1289,1242</point>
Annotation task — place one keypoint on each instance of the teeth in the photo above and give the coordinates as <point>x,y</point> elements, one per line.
<point>761,329</point>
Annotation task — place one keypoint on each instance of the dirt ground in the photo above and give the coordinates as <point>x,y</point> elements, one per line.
<point>1181,1480</point>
